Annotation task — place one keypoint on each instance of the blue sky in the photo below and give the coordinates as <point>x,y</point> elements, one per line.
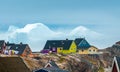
<point>101,16</point>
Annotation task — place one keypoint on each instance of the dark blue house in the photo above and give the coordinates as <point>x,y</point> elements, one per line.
<point>82,45</point>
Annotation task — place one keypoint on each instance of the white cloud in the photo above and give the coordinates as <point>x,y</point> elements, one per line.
<point>82,31</point>
<point>36,34</point>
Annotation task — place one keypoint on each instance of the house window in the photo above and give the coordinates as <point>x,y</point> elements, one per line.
<point>89,50</point>
<point>49,47</point>
<point>54,43</point>
<point>53,49</point>
<point>16,47</point>
<point>0,47</point>
<point>94,50</point>
<point>60,48</point>
<point>8,47</point>
<point>82,50</point>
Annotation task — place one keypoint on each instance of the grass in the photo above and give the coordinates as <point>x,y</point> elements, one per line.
<point>101,69</point>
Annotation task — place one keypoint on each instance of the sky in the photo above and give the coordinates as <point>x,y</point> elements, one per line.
<point>35,21</point>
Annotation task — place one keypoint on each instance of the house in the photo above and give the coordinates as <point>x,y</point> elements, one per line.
<point>51,66</point>
<point>8,46</point>
<point>93,50</point>
<point>51,63</point>
<point>83,47</point>
<point>20,49</point>
<point>59,46</point>
<point>116,64</point>
<point>13,64</point>
<point>2,46</point>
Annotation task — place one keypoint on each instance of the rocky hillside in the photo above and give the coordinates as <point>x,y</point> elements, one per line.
<point>81,63</point>
<point>72,62</point>
<point>114,49</point>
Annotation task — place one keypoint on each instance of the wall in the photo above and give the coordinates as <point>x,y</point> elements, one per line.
<point>83,51</point>
<point>72,49</point>
<point>92,50</point>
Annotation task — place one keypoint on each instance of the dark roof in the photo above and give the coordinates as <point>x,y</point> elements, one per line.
<point>19,47</point>
<point>54,68</point>
<point>50,69</point>
<point>78,40</point>
<point>10,44</point>
<point>13,64</point>
<point>1,43</point>
<point>58,43</point>
<point>82,43</point>
<point>118,61</point>
<point>53,64</point>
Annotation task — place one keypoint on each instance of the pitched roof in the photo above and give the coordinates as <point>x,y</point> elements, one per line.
<point>82,43</point>
<point>54,68</point>
<point>10,44</point>
<point>52,63</point>
<point>1,42</point>
<point>13,64</point>
<point>50,69</point>
<point>118,61</point>
<point>19,47</point>
<point>58,43</point>
<point>78,40</point>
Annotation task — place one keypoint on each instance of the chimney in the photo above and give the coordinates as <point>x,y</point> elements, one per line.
<point>66,38</point>
<point>21,43</point>
<point>7,42</point>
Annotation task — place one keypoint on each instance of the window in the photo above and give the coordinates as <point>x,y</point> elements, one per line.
<point>82,50</point>
<point>49,46</point>
<point>89,50</point>
<point>53,49</point>
<point>94,50</point>
<point>54,43</point>
<point>9,47</point>
<point>60,48</point>
<point>16,47</point>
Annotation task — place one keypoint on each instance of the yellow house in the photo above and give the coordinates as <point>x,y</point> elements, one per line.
<point>68,46</point>
<point>92,50</point>
<point>60,46</point>
<point>83,47</point>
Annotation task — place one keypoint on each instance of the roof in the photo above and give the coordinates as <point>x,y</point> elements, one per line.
<point>19,47</point>
<point>52,63</point>
<point>10,44</point>
<point>1,43</point>
<point>50,69</point>
<point>82,43</point>
<point>78,40</point>
<point>58,43</point>
<point>94,47</point>
<point>13,64</point>
<point>118,61</point>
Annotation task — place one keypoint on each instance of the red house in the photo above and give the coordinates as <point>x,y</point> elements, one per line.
<point>116,64</point>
